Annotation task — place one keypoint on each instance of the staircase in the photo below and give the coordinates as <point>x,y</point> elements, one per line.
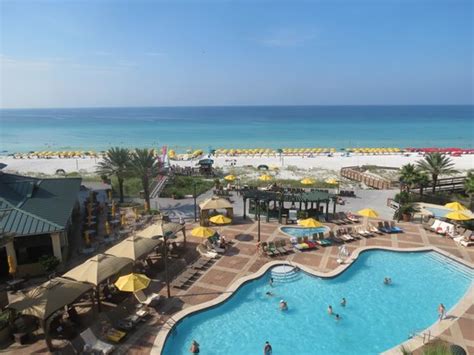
<point>284,274</point>
<point>158,185</point>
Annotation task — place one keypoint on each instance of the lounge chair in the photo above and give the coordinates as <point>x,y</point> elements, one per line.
<point>274,249</point>
<point>435,225</point>
<point>201,263</point>
<point>279,248</point>
<point>311,244</point>
<point>281,244</point>
<point>267,250</point>
<point>382,228</point>
<point>95,344</point>
<point>201,249</point>
<point>353,233</point>
<point>335,239</point>
<point>429,224</point>
<point>394,228</point>
<point>321,240</point>
<point>374,229</point>
<point>146,300</point>
<point>344,218</point>
<point>341,234</point>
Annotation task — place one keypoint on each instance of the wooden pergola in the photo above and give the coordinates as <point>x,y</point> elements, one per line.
<point>311,201</point>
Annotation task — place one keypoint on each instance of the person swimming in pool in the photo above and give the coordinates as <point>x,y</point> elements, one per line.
<point>283,305</point>
<point>343,302</point>
<point>387,281</point>
<point>269,294</point>
<point>267,349</point>
<point>270,282</point>
<point>330,310</point>
<point>194,349</point>
<point>338,317</point>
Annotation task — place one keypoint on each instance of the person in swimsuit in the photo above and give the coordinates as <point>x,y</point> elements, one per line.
<point>194,349</point>
<point>330,310</point>
<point>343,302</point>
<point>441,311</point>
<point>283,305</point>
<point>267,350</point>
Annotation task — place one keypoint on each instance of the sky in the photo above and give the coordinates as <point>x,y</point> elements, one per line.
<point>189,53</point>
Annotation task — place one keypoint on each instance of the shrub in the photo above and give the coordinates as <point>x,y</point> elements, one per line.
<point>49,262</point>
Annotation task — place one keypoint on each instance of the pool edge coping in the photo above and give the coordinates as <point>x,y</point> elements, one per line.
<point>412,344</point>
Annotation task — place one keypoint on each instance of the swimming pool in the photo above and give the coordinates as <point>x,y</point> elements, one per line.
<point>302,232</point>
<point>438,212</point>
<point>376,318</point>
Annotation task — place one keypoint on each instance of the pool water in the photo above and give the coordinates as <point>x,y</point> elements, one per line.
<point>438,212</point>
<point>303,232</point>
<point>376,317</point>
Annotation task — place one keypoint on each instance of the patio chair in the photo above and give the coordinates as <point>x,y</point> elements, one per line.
<point>429,224</point>
<point>201,249</point>
<point>94,344</point>
<point>374,229</point>
<point>146,300</point>
<point>266,250</point>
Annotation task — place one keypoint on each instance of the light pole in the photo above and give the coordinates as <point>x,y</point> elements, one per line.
<point>165,255</point>
<point>258,220</point>
<point>194,196</point>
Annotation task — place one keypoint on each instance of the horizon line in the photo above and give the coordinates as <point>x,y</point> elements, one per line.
<point>224,106</point>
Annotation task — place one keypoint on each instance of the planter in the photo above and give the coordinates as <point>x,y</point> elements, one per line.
<point>406,217</point>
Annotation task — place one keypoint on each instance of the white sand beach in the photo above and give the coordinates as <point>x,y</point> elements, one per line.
<point>88,165</point>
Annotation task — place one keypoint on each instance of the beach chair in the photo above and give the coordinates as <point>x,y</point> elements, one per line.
<point>281,244</point>
<point>382,228</point>
<point>335,239</point>
<point>429,224</point>
<point>374,229</point>
<point>341,234</point>
<point>353,233</point>
<point>201,263</point>
<point>274,249</point>
<point>95,344</point>
<point>267,250</point>
<point>146,300</point>
<point>394,228</point>
<point>343,217</point>
<point>322,240</point>
<point>311,244</point>
<point>201,249</point>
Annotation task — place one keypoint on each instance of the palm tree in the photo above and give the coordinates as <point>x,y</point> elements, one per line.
<point>408,176</point>
<point>143,165</point>
<point>116,162</point>
<point>436,164</point>
<point>422,181</point>
<point>469,186</point>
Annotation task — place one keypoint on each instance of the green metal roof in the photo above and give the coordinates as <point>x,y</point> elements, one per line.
<point>36,206</point>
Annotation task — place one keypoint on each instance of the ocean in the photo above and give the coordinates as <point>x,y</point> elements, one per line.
<point>183,128</point>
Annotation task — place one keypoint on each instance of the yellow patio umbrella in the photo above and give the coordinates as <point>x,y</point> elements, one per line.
<point>457,216</point>
<point>132,282</point>
<point>11,265</point>
<point>332,181</point>
<point>307,181</point>
<point>265,177</point>
<point>230,178</point>
<point>220,219</point>
<point>310,223</point>
<point>368,212</point>
<point>455,206</point>
<point>202,232</point>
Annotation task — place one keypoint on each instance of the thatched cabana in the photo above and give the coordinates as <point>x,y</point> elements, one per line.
<point>214,203</point>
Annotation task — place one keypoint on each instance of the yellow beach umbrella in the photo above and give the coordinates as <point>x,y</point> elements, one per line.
<point>368,212</point>
<point>11,265</point>
<point>132,282</point>
<point>230,178</point>
<point>202,232</point>
<point>265,178</point>
<point>455,206</point>
<point>332,181</point>
<point>220,219</point>
<point>310,223</point>
<point>307,181</point>
<point>457,216</point>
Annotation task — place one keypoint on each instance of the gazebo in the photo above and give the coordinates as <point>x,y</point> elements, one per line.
<point>272,203</point>
<point>214,203</point>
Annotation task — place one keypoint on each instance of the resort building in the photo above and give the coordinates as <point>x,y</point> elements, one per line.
<point>35,220</point>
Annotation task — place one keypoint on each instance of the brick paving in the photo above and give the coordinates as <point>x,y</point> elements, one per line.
<point>242,260</point>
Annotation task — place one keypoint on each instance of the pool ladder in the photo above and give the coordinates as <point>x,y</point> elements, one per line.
<point>420,333</point>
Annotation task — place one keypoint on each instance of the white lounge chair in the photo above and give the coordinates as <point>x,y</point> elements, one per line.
<point>92,343</point>
<point>146,300</point>
<point>206,253</point>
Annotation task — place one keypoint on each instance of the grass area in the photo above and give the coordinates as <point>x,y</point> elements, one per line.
<point>180,186</point>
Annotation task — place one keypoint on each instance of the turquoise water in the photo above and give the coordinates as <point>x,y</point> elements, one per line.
<point>184,128</point>
<point>376,318</point>
<point>438,212</point>
<point>303,232</point>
